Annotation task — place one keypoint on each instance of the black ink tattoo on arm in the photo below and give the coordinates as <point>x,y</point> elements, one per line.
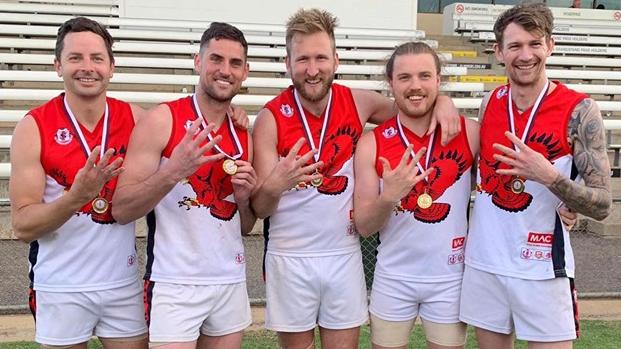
<point>587,137</point>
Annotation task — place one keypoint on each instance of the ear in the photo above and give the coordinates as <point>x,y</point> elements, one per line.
<point>112,66</point>
<point>288,65</point>
<point>550,45</point>
<point>58,68</point>
<point>197,62</point>
<point>246,71</point>
<point>498,53</point>
<point>336,60</point>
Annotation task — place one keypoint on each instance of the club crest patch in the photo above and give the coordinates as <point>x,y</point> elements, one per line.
<point>389,132</point>
<point>501,92</point>
<point>63,136</point>
<point>286,110</point>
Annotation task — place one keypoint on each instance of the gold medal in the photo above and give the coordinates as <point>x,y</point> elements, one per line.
<point>517,185</point>
<point>317,182</point>
<point>100,205</point>
<point>229,166</point>
<point>424,201</point>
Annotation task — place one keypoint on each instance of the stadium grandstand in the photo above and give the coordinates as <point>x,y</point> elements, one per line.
<point>155,41</point>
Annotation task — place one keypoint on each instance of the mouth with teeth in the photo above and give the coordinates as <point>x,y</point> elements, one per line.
<point>86,79</point>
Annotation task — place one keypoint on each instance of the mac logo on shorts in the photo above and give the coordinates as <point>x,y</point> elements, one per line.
<point>540,239</point>
<point>458,242</point>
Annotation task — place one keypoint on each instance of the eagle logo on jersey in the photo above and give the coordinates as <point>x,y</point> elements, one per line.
<point>63,136</point>
<point>339,148</point>
<point>449,166</point>
<point>211,190</point>
<point>499,187</point>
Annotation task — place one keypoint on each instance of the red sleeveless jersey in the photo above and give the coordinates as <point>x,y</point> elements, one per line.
<point>523,228</point>
<point>289,231</point>
<point>62,155</point>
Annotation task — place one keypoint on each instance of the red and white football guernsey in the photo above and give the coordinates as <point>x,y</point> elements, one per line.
<point>194,231</point>
<point>520,235</point>
<point>90,251</point>
<point>426,244</point>
<point>316,221</point>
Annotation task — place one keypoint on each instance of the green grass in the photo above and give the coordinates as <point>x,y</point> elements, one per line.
<point>595,335</point>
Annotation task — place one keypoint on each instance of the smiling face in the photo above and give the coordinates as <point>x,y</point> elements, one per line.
<point>222,68</point>
<point>84,64</point>
<point>524,55</point>
<point>415,84</point>
<point>312,63</point>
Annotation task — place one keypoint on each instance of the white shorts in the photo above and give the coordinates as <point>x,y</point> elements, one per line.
<point>67,318</point>
<point>538,310</point>
<point>395,300</point>
<point>180,313</point>
<point>305,291</point>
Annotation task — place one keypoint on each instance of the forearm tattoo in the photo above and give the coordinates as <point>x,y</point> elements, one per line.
<point>587,138</point>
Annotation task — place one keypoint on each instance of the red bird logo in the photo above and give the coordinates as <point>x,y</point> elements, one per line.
<point>448,169</point>
<point>499,187</point>
<point>211,190</point>
<point>339,148</point>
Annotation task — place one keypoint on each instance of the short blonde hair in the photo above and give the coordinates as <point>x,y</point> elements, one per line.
<point>309,22</point>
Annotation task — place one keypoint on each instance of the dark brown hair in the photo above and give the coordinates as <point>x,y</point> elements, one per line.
<point>219,30</point>
<point>82,24</point>
<point>412,48</point>
<point>535,17</point>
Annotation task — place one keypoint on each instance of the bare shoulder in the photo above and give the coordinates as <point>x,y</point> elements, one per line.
<point>366,145</point>
<point>484,103</point>
<point>137,111</point>
<point>472,131</point>
<point>26,134</point>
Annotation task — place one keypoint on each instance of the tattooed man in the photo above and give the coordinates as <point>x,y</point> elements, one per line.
<point>541,144</point>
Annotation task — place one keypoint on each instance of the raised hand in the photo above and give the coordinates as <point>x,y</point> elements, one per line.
<point>398,182</point>
<point>189,154</point>
<point>93,176</point>
<point>293,169</point>
<point>244,181</point>
<point>525,163</point>
<point>239,116</point>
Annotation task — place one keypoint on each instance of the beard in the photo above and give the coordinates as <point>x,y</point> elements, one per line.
<point>219,96</point>
<point>316,97</point>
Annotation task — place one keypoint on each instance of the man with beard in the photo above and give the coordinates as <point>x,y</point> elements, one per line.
<point>189,168</point>
<point>313,263</point>
<point>419,204</point>
<point>537,136</point>
<point>65,156</point>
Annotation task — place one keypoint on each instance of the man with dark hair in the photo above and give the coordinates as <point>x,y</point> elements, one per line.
<point>313,262</point>
<point>537,138</point>
<point>65,156</point>
<point>415,192</point>
<point>188,167</point>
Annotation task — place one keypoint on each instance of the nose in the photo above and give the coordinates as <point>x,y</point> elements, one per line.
<point>312,69</point>
<point>225,69</point>
<point>525,54</point>
<point>87,64</point>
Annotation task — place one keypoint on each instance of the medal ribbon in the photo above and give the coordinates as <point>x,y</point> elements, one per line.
<point>78,130</point>
<point>531,117</point>
<point>232,132</point>
<point>309,135</point>
<point>413,152</point>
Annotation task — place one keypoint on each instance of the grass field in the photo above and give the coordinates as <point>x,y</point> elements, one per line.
<point>595,335</point>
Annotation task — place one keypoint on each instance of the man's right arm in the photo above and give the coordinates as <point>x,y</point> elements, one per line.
<point>274,175</point>
<point>30,217</point>
<point>144,182</point>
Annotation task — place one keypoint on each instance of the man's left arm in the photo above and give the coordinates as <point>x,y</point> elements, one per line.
<point>587,136</point>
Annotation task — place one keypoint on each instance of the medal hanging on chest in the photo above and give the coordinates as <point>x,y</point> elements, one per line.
<point>317,182</point>
<point>99,204</point>
<point>424,200</point>
<point>517,183</point>
<point>229,166</point>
